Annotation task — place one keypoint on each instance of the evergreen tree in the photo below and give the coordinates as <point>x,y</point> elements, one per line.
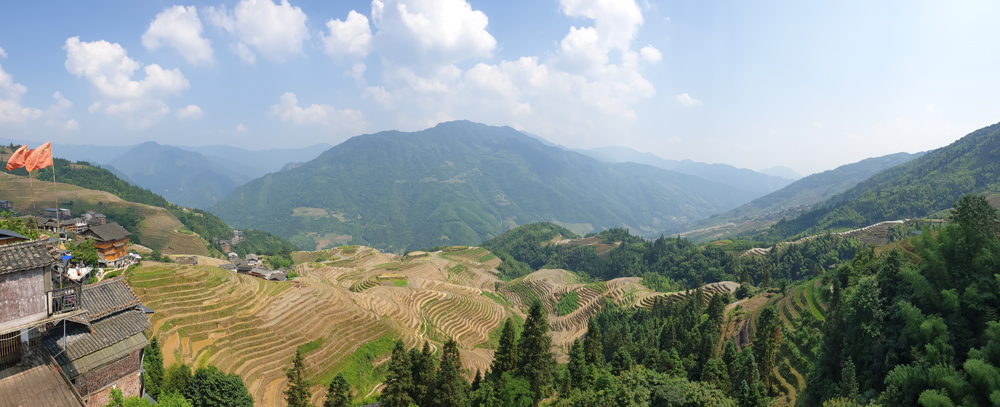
<point>621,361</point>
<point>424,375</point>
<point>716,309</point>
<point>398,380</point>
<point>752,392</point>
<point>452,389</point>
<point>477,381</point>
<point>153,364</point>
<point>593,346</point>
<point>848,381</point>
<point>178,377</point>
<point>297,394</point>
<point>506,357</point>
<point>578,371</point>
<point>537,359</point>
<point>671,363</point>
<point>716,373</point>
<point>339,392</point>
<point>766,342</point>
<point>209,388</point>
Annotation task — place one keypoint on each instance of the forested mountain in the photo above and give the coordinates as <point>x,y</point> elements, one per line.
<point>921,187</point>
<point>462,183</point>
<point>801,194</point>
<point>255,163</point>
<point>183,177</point>
<point>781,171</point>
<point>740,178</point>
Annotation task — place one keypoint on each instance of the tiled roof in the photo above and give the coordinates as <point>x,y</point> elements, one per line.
<point>4,233</point>
<point>110,231</point>
<point>104,333</point>
<point>108,297</point>
<point>23,256</point>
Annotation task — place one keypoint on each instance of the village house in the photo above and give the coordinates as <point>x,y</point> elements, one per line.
<point>6,205</point>
<point>110,240</point>
<point>253,267</point>
<point>7,237</point>
<point>233,257</point>
<point>252,260</point>
<point>32,306</point>
<point>67,346</point>
<point>63,213</point>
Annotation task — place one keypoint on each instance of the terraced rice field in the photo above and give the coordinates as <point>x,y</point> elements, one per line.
<point>245,325</point>
<point>794,362</point>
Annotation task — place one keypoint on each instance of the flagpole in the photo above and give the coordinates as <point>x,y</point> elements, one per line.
<point>33,210</point>
<point>55,193</point>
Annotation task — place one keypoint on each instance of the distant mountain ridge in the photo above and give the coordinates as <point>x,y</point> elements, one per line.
<point>740,178</point>
<point>918,188</point>
<point>797,197</point>
<point>462,183</point>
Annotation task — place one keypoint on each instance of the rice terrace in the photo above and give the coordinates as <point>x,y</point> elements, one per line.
<point>350,304</point>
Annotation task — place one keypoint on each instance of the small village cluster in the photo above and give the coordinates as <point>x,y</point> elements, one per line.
<point>251,265</point>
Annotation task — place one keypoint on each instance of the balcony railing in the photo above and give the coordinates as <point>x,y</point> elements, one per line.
<point>66,299</point>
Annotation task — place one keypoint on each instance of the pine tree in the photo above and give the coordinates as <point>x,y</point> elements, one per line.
<point>848,381</point>
<point>153,364</point>
<point>339,393</point>
<point>452,389</point>
<point>671,364</point>
<point>297,394</point>
<point>621,361</point>
<point>578,371</point>
<point>477,381</point>
<point>537,359</point>
<point>716,308</point>
<point>766,342</point>
<point>593,345</point>
<point>752,392</point>
<point>506,356</point>
<point>716,373</point>
<point>398,381</point>
<point>424,368</point>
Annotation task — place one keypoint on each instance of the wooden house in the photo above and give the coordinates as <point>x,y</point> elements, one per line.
<point>110,240</point>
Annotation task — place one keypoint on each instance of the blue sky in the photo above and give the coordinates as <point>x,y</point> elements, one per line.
<point>808,85</point>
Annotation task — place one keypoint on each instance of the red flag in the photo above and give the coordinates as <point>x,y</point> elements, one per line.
<point>16,160</point>
<point>40,157</point>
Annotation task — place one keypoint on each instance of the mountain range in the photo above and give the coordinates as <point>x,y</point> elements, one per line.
<point>462,183</point>
<point>921,187</point>
<point>791,200</point>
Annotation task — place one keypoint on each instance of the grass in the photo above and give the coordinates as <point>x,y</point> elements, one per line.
<point>310,346</point>
<point>498,299</point>
<point>528,296</point>
<point>487,258</point>
<point>812,301</point>
<point>185,230</point>
<point>568,303</point>
<point>494,336</point>
<point>359,368</point>
<point>399,283</point>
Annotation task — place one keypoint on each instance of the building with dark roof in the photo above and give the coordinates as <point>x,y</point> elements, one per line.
<point>110,240</point>
<point>7,237</point>
<point>30,304</point>
<point>6,205</point>
<point>102,349</point>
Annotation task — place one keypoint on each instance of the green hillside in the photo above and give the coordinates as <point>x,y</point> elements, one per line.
<point>791,200</point>
<point>915,189</point>
<point>462,183</point>
<point>183,177</point>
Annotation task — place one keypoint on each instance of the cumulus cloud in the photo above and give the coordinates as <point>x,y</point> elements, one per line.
<point>443,31</point>
<point>687,100</point>
<point>3,54</point>
<point>274,30</point>
<point>651,54</point>
<point>352,36</point>
<point>616,23</point>
<point>110,71</point>
<point>179,27</point>
<point>288,110</point>
<point>56,113</point>
<point>11,110</point>
<point>189,112</point>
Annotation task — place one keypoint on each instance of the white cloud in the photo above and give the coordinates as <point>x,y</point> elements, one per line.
<point>442,31</point>
<point>274,30</point>
<point>289,111</point>
<point>179,27</point>
<point>56,113</point>
<point>11,110</point>
<point>3,54</point>
<point>352,36</point>
<point>189,112</point>
<point>616,23</point>
<point>687,100</point>
<point>651,54</point>
<point>357,72</point>
<point>241,128</point>
<point>109,70</point>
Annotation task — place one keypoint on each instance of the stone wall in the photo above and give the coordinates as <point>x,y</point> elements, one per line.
<point>130,385</point>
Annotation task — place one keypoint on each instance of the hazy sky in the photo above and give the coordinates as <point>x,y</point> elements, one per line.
<point>806,84</point>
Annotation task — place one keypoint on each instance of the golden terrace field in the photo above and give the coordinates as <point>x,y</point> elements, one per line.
<point>345,318</point>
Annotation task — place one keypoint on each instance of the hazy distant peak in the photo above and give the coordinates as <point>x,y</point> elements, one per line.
<point>781,171</point>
